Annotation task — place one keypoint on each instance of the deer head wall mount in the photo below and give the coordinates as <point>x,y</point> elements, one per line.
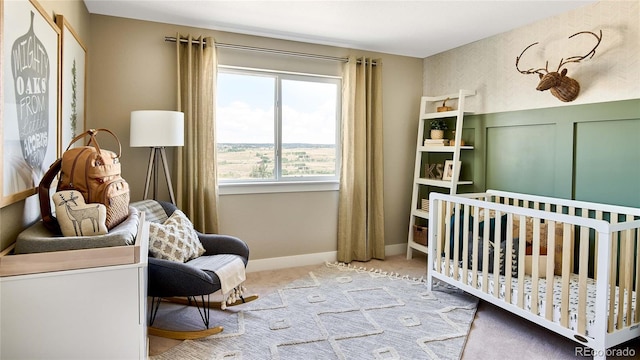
<point>561,86</point>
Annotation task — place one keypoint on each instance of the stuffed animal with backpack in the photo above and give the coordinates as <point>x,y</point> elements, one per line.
<point>93,172</point>
<point>77,218</point>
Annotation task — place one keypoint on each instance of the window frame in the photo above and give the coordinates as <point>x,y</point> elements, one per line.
<point>281,183</point>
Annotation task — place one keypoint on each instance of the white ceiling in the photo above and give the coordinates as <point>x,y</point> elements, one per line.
<point>412,28</point>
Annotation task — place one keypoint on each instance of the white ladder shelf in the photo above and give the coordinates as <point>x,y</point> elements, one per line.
<point>427,113</point>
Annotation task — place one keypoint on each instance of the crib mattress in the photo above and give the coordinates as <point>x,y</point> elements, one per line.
<point>557,296</point>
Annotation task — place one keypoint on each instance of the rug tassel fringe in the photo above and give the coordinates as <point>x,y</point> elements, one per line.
<point>391,275</point>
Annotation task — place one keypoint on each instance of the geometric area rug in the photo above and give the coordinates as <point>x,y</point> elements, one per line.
<point>340,312</point>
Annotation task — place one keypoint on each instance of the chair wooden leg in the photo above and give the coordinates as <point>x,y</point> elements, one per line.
<point>217,304</point>
<point>242,300</point>
<point>184,335</point>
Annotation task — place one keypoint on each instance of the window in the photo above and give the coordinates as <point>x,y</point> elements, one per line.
<point>276,127</point>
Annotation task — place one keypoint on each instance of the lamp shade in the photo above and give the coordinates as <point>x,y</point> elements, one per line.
<point>156,128</point>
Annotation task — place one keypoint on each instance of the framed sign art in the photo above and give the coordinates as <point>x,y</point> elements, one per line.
<point>448,170</point>
<point>73,79</point>
<point>30,103</point>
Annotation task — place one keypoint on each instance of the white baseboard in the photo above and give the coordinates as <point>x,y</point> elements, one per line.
<point>395,249</point>
<point>310,259</point>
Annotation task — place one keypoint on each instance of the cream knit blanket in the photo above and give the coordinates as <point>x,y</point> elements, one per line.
<point>230,270</point>
<point>232,276</point>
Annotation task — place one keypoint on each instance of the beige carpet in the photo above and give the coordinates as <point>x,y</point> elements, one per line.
<point>495,333</point>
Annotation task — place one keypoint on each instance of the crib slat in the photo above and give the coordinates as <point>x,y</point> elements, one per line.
<point>613,274</point>
<point>441,228</point>
<point>572,245</point>
<point>485,255</point>
<point>508,258</point>
<point>627,286</point>
<point>474,255</point>
<point>496,252</point>
<point>595,246</point>
<point>551,245</point>
<point>566,274</point>
<point>465,245</point>
<point>557,242</point>
<point>622,279</point>
<point>583,273</point>
<point>523,247</point>
<point>447,239</point>
<point>534,266</point>
<point>635,239</point>
<point>456,240</point>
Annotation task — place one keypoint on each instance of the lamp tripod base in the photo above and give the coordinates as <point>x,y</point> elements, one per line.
<point>158,154</point>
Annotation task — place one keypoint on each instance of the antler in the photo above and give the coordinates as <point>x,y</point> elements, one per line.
<point>73,198</point>
<point>580,58</point>
<point>64,201</point>
<point>531,70</point>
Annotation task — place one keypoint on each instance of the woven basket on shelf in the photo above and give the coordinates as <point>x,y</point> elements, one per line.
<point>425,205</point>
<point>420,234</point>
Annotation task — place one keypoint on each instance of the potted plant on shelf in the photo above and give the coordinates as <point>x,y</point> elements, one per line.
<point>438,126</point>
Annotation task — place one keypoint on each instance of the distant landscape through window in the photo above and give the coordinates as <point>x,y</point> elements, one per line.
<point>276,126</point>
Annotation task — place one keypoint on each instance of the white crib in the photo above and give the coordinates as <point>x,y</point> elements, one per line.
<point>592,255</point>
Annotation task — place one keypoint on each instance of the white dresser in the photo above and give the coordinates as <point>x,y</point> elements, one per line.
<point>91,313</point>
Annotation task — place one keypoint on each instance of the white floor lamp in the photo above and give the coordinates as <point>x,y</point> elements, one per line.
<point>157,129</point>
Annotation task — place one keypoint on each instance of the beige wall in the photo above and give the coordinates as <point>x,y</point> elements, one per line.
<point>17,216</point>
<point>133,69</point>
<point>488,65</point>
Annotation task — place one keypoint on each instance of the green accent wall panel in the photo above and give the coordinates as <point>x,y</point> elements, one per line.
<point>521,158</point>
<point>586,152</point>
<point>607,162</point>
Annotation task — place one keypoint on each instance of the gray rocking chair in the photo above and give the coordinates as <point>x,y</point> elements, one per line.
<point>186,282</point>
